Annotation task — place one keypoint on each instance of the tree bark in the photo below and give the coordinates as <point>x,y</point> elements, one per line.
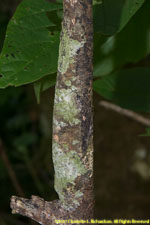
<point>72,124</point>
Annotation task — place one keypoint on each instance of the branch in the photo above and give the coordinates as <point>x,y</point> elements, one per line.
<point>72,124</point>
<point>133,115</point>
<point>37,209</point>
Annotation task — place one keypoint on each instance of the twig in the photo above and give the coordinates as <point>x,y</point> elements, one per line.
<point>10,170</point>
<point>133,115</point>
<point>37,209</point>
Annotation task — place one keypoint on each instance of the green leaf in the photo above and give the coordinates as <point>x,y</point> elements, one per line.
<point>112,15</point>
<point>130,45</point>
<point>43,84</point>
<point>30,49</point>
<point>147,134</point>
<point>128,88</point>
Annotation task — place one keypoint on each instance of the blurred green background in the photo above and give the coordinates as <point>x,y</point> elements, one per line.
<point>122,157</point>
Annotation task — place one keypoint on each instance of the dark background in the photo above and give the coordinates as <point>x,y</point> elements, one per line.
<point>122,157</point>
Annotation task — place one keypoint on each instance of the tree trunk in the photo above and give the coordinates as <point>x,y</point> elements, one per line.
<point>72,124</point>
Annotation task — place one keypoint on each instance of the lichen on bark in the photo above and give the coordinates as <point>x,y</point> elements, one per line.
<point>67,168</point>
<point>67,50</point>
<point>65,106</point>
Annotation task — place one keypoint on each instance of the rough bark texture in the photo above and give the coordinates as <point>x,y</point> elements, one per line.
<point>72,124</point>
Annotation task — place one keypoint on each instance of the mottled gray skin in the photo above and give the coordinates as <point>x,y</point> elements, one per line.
<point>72,128</point>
